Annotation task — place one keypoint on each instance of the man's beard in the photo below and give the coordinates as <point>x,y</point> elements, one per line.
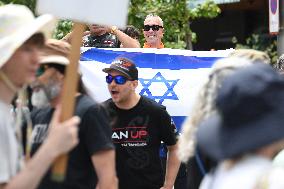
<point>39,99</point>
<point>42,97</point>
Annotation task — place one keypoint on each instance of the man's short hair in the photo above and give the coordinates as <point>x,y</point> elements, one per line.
<point>155,16</point>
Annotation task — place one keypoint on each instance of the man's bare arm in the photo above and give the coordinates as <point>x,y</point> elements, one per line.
<point>172,167</point>
<point>104,163</point>
<point>126,40</point>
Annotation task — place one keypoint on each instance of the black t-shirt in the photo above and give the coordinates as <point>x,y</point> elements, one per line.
<point>106,40</point>
<point>137,134</point>
<point>94,135</point>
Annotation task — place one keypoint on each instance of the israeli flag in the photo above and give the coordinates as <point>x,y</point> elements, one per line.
<point>171,77</point>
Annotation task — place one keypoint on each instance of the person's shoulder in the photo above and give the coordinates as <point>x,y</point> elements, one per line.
<point>87,106</point>
<point>84,103</point>
<point>85,100</point>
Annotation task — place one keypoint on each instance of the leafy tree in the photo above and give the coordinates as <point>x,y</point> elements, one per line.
<point>63,27</point>
<point>255,41</point>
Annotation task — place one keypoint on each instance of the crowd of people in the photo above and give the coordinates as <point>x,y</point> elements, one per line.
<point>233,138</point>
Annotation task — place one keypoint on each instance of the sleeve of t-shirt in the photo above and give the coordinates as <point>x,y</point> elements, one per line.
<point>96,128</point>
<point>168,128</point>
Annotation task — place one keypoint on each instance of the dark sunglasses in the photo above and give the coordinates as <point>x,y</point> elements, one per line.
<point>154,27</point>
<point>44,67</point>
<point>41,70</point>
<point>119,79</point>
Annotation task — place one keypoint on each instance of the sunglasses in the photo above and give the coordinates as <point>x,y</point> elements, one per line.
<point>41,70</point>
<point>119,79</point>
<point>154,27</point>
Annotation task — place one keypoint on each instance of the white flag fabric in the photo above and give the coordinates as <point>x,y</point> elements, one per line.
<point>171,77</point>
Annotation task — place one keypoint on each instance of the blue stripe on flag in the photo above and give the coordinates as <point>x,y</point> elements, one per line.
<point>150,60</point>
<point>178,120</point>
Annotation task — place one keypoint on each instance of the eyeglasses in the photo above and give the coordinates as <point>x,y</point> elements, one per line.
<point>119,79</point>
<point>154,27</point>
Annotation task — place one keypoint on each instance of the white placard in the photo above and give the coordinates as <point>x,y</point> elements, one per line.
<point>274,16</point>
<point>105,12</point>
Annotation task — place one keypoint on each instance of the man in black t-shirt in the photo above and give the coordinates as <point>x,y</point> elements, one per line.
<point>139,126</point>
<point>92,162</point>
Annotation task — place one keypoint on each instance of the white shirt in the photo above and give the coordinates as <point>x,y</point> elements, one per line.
<point>9,155</point>
<point>243,175</point>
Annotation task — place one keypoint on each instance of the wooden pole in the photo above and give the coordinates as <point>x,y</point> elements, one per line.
<point>68,96</point>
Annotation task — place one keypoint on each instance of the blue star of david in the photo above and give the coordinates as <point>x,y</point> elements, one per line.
<point>170,84</point>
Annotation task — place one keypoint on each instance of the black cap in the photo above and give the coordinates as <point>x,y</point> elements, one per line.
<point>125,66</point>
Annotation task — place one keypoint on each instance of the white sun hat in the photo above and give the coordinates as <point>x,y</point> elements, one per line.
<point>18,24</point>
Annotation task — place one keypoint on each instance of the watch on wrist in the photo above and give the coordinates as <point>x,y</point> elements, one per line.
<point>113,29</point>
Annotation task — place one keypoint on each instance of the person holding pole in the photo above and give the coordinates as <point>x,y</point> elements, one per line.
<point>92,162</point>
<point>21,37</point>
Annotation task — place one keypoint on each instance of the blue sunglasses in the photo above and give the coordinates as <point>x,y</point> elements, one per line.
<point>119,79</point>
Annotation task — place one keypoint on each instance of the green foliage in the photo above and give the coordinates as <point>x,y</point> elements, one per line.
<point>255,41</point>
<point>206,10</point>
<point>176,17</point>
<point>63,27</point>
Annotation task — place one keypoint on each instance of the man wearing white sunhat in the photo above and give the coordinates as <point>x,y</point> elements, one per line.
<point>92,161</point>
<point>21,36</point>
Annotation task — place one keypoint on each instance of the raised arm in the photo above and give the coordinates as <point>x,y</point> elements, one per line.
<point>126,40</point>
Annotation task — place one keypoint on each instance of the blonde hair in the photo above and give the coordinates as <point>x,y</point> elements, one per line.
<point>251,54</point>
<point>155,16</point>
<point>205,103</point>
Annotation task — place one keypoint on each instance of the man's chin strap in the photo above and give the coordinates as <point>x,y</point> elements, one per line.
<point>8,82</point>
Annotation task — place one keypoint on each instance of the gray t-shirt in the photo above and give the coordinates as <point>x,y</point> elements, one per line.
<point>9,157</point>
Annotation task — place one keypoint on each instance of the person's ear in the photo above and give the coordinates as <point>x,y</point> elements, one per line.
<point>134,84</point>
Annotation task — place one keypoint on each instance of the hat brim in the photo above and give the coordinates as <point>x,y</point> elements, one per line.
<point>107,70</point>
<point>43,24</point>
<point>221,141</point>
<point>55,59</point>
